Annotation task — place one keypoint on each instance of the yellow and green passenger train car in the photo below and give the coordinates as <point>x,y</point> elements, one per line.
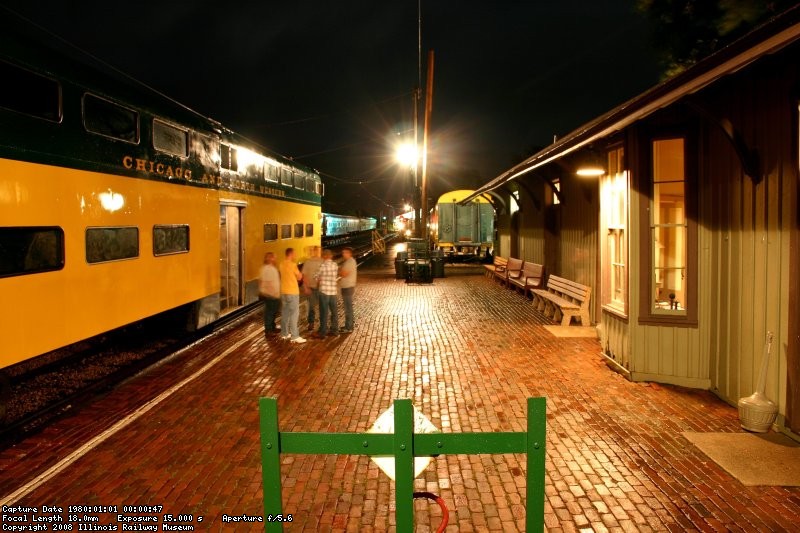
<point>117,203</point>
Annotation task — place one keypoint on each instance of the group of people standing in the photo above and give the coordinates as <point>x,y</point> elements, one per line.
<point>322,279</point>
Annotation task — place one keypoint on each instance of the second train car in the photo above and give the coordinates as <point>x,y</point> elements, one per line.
<point>465,231</point>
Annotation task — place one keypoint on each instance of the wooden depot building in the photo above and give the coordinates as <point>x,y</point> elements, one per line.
<point>679,208</point>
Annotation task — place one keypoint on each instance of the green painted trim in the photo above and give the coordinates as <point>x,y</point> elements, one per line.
<point>405,445</point>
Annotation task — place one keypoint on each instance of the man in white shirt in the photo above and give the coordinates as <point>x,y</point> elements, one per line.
<point>327,275</point>
<point>348,271</point>
<point>269,290</point>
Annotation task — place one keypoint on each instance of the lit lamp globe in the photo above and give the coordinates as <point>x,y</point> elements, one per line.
<point>406,154</point>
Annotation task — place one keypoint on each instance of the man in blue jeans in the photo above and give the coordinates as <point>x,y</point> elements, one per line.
<point>327,275</point>
<point>290,297</point>
<point>348,271</point>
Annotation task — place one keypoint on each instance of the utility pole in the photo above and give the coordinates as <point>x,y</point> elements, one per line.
<point>428,111</point>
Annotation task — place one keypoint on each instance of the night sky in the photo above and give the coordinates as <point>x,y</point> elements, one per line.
<point>329,82</point>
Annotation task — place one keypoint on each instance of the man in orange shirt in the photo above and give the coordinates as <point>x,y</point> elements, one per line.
<point>290,297</point>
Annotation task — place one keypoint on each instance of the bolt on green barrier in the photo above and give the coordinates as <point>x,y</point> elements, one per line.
<point>404,445</point>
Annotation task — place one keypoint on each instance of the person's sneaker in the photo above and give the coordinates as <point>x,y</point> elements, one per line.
<point>347,330</point>
<point>286,337</point>
<point>333,334</point>
<point>299,340</point>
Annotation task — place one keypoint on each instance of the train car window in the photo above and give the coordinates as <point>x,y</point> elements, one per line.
<point>25,92</point>
<point>106,118</point>
<point>170,239</point>
<point>310,185</point>
<point>286,231</point>
<point>270,232</point>
<point>320,188</point>
<point>309,230</point>
<point>228,158</point>
<point>29,250</point>
<point>111,244</point>
<point>299,180</point>
<point>298,231</point>
<point>271,173</point>
<point>286,177</point>
<point>169,139</point>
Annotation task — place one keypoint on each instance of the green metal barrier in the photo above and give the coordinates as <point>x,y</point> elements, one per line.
<point>404,445</point>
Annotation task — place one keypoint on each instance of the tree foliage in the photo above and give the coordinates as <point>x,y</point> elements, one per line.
<point>686,31</point>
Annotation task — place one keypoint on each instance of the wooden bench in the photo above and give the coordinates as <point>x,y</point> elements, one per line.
<point>530,277</point>
<point>512,270</point>
<point>499,263</point>
<point>563,297</point>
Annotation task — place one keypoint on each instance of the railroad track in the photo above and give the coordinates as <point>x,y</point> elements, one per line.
<point>73,380</point>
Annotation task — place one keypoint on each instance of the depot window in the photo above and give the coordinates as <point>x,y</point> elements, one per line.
<point>170,239</point>
<point>111,244</point>
<point>286,231</point>
<point>614,229</point>
<point>309,230</point>
<point>25,92</point>
<point>170,139</point>
<point>670,278</point>
<point>29,250</point>
<point>109,119</point>
<point>270,232</point>
<point>298,231</point>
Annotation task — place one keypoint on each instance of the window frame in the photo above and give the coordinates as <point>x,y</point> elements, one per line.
<point>86,248</point>
<point>60,95</point>
<point>608,302</point>
<point>62,251</point>
<point>188,239</point>
<point>647,314</point>
<point>282,226</point>
<point>309,230</point>
<point>167,123</point>
<point>112,102</point>
<point>298,234</point>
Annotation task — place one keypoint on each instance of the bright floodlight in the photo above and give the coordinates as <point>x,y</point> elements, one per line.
<point>407,154</point>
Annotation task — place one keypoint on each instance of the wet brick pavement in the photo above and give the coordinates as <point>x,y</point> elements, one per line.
<point>468,353</point>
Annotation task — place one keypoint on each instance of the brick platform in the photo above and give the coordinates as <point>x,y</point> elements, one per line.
<point>468,353</point>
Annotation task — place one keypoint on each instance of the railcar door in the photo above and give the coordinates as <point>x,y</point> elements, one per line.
<point>230,257</point>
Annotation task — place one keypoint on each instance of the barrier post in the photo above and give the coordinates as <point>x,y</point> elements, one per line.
<point>404,465</point>
<point>271,462</point>
<point>535,444</point>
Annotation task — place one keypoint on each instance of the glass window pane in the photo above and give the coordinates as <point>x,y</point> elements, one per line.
<point>25,92</point>
<point>309,230</point>
<point>299,180</point>
<point>170,239</point>
<point>271,172</point>
<point>298,231</point>
<point>668,160</point>
<point>111,244</point>
<point>30,250</point>
<point>170,139</point>
<point>286,231</point>
<point>669,261</point>
<point>286,176</point>
<point>270,232</point>
<point>112,120</point>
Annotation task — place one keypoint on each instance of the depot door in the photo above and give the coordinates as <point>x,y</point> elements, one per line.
<point>230,257</point>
